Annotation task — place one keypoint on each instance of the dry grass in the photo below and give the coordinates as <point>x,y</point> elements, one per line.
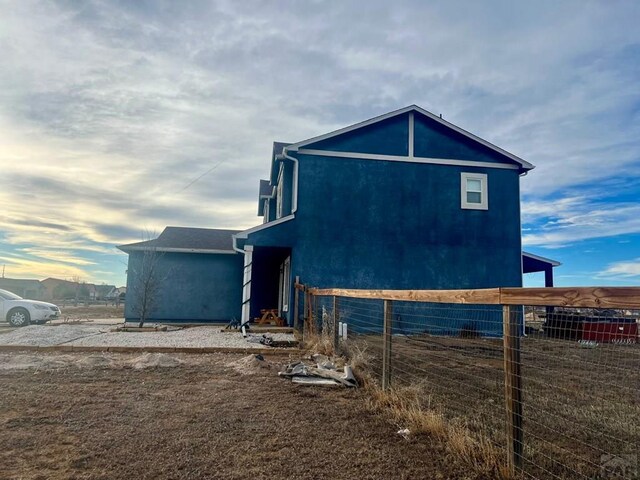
<point>317,343</point>
<point>407,409</point>
<point>579,402</point>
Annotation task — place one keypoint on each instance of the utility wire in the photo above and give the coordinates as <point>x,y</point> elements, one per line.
<point>198,178</point>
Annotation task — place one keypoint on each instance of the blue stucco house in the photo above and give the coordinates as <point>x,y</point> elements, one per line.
<point>405,200</point>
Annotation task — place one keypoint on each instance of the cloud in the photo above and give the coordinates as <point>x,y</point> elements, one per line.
<point>570,223</point>
<point>24,268</point>
<point>109,109</point>
<point>629,268</point>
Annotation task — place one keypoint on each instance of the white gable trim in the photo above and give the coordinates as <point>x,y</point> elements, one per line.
<point>553,263</point>
<point>246,233</point>
<point>395,158</point>
<point>179,250</point>
<point>412,108</point>
<point>411,139</point>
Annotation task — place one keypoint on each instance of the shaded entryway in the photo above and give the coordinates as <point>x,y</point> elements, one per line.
<point>267,281</point>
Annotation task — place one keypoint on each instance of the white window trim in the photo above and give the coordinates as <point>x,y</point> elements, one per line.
<point>280,192</point>
<point>285,284</point>
<point>484,198</point>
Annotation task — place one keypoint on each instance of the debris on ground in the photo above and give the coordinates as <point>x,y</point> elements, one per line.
<point>155,360</point>
<point>262,339</point>
<point>323,371</point>
<point>250,364</point>
<point>404,433</point>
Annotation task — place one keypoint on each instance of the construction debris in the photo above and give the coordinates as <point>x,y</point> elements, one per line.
<point>263,339</point>
<point>323,371</point>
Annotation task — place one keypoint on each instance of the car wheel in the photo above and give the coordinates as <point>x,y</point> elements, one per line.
<point>18,317</point>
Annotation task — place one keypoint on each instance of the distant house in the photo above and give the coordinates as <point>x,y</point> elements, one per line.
<point>26,288</point>
<point>116,293</point>
<point>102,291</point>
<point>57,289</point>
<point>405,200</point>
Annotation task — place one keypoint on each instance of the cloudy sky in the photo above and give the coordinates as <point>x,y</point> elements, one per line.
<point>110,110</point>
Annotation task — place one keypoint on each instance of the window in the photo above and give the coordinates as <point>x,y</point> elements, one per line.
<point>473,191</point>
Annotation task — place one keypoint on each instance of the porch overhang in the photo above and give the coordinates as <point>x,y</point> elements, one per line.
<point>532,263</point>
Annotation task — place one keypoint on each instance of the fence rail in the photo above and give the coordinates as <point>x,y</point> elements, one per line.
<point>564,378</point>
<point>588,297</point>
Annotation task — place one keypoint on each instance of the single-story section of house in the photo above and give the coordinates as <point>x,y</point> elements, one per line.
<point>195,276</point>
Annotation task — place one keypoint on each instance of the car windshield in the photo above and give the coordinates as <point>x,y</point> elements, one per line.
<point>4,295</point>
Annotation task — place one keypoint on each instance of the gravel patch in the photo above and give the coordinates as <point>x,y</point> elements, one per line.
<point>46,335</point>
<point>101,336</point>
<point>196,337</point>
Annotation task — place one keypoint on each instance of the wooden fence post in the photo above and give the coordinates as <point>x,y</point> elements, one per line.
<point>386,344</point>
<point>311,324</point>
<point>305,322</point>
<point>512,386</point>
<point>336,319</point>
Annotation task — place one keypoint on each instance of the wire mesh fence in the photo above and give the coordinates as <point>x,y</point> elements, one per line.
<point>555,391</point>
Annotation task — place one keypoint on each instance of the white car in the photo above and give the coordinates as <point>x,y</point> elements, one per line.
<point>20,312</point>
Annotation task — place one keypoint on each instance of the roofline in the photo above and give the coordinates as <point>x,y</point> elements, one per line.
<point>412,108</point>
<point>246,233</point>
<point>553,263</point>
<point>126,249</point>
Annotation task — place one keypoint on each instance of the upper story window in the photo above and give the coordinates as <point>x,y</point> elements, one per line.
<point>473,191</point>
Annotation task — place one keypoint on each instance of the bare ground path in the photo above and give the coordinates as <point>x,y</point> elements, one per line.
<point>86,416</point>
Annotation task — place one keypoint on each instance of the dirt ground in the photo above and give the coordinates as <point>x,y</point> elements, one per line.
<point>82,416</point>
<point>82,312</point>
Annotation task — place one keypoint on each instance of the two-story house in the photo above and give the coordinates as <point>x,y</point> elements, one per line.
<point>405,200</point>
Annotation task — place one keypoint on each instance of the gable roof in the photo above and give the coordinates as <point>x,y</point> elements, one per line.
<point>266,191</point>
<point>524,165</point>
<point>187,240</point>
<point>265,188</point>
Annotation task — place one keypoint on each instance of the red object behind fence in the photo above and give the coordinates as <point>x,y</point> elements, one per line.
<point>610,332</point>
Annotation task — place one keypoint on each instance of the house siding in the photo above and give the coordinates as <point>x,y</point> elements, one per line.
<point>388,137</point>
<point>198,287</point>
<point>377,224</point>
<point>394,225</point>
<point>367,223</point>
<point>434,140</point>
